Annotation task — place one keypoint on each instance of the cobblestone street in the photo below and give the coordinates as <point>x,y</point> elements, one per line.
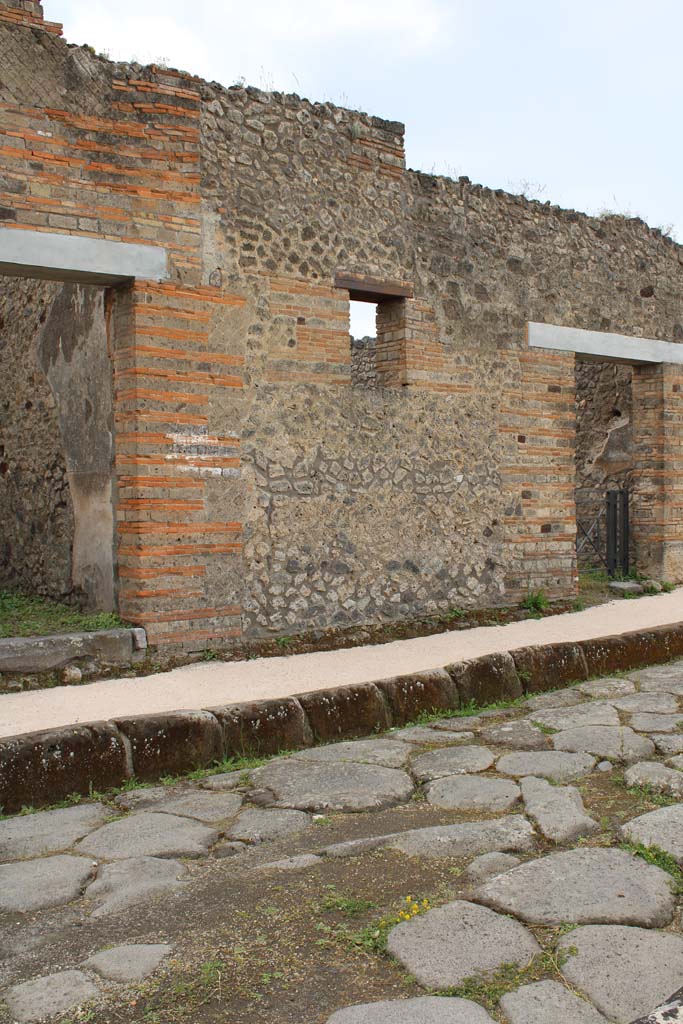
<point>519,864</point>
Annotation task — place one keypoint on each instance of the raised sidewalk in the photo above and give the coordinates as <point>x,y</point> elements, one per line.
<point>217,683</point>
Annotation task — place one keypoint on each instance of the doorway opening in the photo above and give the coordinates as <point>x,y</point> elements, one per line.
<point>363,339</point>
<point>56,443</point>
<point>605,461</point>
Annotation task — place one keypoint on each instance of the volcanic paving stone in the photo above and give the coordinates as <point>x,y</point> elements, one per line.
<point>584,886</point>
<point>668,745</point>
<point>255,825</point>
<point>488,865</point>
<point>558,699</point>
<point>666,1013</point>
<point>676,762</point>
<point>128,963</point>
<point>355,847</point>
<point>297,863</point>
<point>423,1010</point>
<point>607,688</point>
<point>547,764</point>
<point>647,703</point>
<point>129,882</point>
<point>557,810</point>
<point>32,835</point>
<point>424,736</point>
<point>645,722</point>
<point>451,761</point>
<point>49,882</point>
<point>621,744</point>
<point>146,797</point>
<point>473,793</point>
<point>211,808</point>
<point>655,776</point>
<point>592,713</point>
<point>467,838</point>
<point>448,944</point>
<point>389,753</point>
<point>224,781</point>
<point>520,735</point>
<point>626,972</point>
<point>662,828</point>
<point>661,679</point>
<point>48,996</point>
<point>465,723</point>
<point>548,1002</point>
<point>149,835</point>
<point>340,786</point>
<point>450,738</point>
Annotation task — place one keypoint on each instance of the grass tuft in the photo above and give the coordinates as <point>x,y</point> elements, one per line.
<point>488,989</point>
<point>35,616</point>
<point>536,601</point>
<point>660,859</point>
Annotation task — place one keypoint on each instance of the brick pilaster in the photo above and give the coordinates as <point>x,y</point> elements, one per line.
<point>657,482</point>
<point>165,371</point>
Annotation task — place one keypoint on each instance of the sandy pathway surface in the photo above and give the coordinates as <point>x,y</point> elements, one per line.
<point>211,684</point>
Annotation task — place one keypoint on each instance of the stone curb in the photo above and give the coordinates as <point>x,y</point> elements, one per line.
<point>45,767</point>
<point>32,654</point>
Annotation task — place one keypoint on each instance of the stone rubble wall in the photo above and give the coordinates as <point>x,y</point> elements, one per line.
<point>364,362</point>
<point>262,486</point>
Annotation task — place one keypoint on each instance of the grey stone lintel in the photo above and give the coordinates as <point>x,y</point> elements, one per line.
<point>602,346</point>
<point>57,257</point>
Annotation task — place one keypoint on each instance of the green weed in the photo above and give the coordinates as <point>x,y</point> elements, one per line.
<point>209,655</point>
<point>21,615</point>
<point>536,601</point>
<point>488,989</point>
<point>661,859</point>
<point>547,730</point>
<point>348,905</point>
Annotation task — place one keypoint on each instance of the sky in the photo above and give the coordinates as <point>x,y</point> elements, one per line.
<point>570,101</point>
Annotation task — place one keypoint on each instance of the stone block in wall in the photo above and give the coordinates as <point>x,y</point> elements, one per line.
<point>414,693</point>
<point>346,711</point>
<point>547,668</point>
<point>263,727</point>
<point>170,743</point>
<point>45,767</point>
<point>486,680</point>
<point>628,651</point>
<point>46,653</point>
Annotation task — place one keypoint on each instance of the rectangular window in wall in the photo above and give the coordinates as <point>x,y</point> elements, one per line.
<point>378,357</point>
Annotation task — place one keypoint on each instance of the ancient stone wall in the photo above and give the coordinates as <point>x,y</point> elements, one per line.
<point>364,362</point>
<point>259,487</point>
